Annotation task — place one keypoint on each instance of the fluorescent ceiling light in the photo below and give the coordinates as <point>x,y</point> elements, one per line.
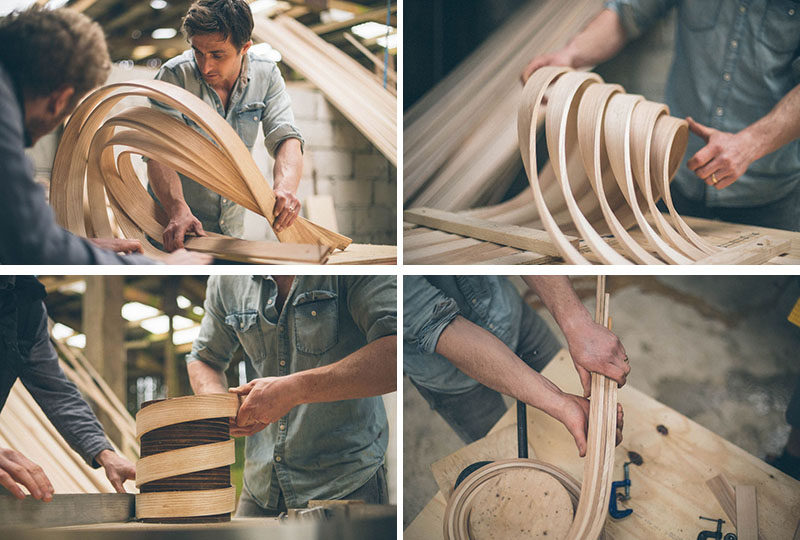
<point>183,302</point>
<point>197,310</point>
<point>78,340</point>
<point>369,30</point>
<point>262,5</point>
<point>136,311</point>
<point>392,41</point>
<point>61,331</point>
<point>156,325</point>
<point>78,287</point>
<point>335,15</point>
<point>181,323</point>
<point>164,33</point>
<point>158,4</point>
<point>266,50</point>
<point>188,335</point>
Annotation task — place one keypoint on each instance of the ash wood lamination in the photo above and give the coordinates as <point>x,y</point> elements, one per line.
<point>85,159</point>
<point>184,471</point>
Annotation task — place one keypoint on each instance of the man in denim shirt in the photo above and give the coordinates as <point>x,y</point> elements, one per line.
<point>245,89</point>
<point>466,339</point>
<point>736,76</point>
<point>319,351</point>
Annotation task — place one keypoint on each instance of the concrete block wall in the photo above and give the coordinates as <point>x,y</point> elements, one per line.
<point>341,162</point>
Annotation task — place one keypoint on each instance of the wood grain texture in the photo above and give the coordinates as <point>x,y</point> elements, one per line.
<point>169,504</point>
<point>185,409</point>
<point>66,509</point>
<point>185,460</point>
<point>746,513</point>
<point>95,154</point>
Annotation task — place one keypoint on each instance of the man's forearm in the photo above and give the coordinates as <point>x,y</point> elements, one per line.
<point>778,128</point>
<point>561,300</point>
<point>167,186</point>
<point>482,356</point>
<point>206,379</point>
<point>288,166</point>
<point>369,371</point>
<point>601,40</point>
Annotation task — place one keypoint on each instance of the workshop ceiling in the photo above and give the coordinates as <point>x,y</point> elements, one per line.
<point>147,32</point>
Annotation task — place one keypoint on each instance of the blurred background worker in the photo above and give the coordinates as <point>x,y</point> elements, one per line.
<point>735,76</point>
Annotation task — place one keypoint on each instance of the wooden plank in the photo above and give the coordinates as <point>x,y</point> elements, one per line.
<point>508,235</point>
<point>365,254</point>
<point>746,513</point>
<point>66,509</point>
<point>257,252</point>
<point>723,491</point>
<point>758,250</point>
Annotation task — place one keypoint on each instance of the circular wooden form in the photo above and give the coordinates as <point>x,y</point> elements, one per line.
<point>551,513</point>
<point>612,157</point>
<point>95,155</point>
<point>186,452</point>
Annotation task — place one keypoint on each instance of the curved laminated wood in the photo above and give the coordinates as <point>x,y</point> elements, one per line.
<point>185,409</point>
<point>189,504</point>
<point>186,452</point>
<point>613,156</point>
<point>95,155</point>
<point>184,461</point>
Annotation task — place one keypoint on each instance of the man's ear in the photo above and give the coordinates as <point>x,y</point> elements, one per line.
<point>59,100</point>
<point>247,46</point>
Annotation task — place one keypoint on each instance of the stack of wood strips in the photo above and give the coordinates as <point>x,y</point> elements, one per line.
<point>460,139</point>
<point>26,429</point>
<point>349,86</point>
<point>97,392</point>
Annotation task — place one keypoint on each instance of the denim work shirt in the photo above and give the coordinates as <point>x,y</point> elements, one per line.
<point>318,450</point>
<point>430,303</point>
<point>27,354</point>
<point>259,96</point>
<point>734,60</point>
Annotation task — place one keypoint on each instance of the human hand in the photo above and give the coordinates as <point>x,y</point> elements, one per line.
<point>266,400</point>
<point>118,469</point>
<point>17,469</point>
<point>180,224</point>
<point>119,245</point>
<point>561,57</point>
<point>181,256</point>
<point>574,414</point>
<point>595,349</point>
<point>286,210</point>
<point>724,158</point>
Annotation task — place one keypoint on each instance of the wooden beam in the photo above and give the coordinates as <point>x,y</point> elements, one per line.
<point>377,15</point>
<point>105,330</point>
<point>746,513</point>
<point>508,235</point>
<point>759,250</point>
<point>66,509</point>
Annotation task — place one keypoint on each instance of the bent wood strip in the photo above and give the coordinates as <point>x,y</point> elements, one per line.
<point>185,460</point>
<point>507,235</point>
<point>185,409</point>
<point>85,159</point>
<point>167,504</point>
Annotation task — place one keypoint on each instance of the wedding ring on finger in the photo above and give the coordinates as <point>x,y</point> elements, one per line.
<point>714,178</point>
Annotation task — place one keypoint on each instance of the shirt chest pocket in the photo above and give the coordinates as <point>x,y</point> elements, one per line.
<point>699,14</point>
<point>316,322</point>
<point>245,324</point>
<point>780,28</point>
<point>247,120</point>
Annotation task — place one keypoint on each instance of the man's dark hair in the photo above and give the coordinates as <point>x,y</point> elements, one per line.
<point>45,50</point>
<point>231,18</point>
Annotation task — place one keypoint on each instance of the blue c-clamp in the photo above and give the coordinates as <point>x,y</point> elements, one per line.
<point>615,512</point>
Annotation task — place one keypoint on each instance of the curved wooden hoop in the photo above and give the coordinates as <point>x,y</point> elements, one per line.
<point>185,460</point>
<point>220,162</point>
<point>456,516</point>
<point>185,409</point>
<point>616,137</point>
<point>167,504</point>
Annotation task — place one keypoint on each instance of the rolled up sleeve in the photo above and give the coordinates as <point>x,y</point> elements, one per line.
<point>426,313</point>
<point>277,120</point>
<point>372,302</point>
<point>637,16</point>
<point>216,343</point>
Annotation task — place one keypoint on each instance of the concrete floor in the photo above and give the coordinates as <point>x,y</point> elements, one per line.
<point>718,349</point>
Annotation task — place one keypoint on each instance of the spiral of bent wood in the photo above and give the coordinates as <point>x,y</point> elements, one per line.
<point>186,449</point>
<point>613,156</point>
<point>96,150</point>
